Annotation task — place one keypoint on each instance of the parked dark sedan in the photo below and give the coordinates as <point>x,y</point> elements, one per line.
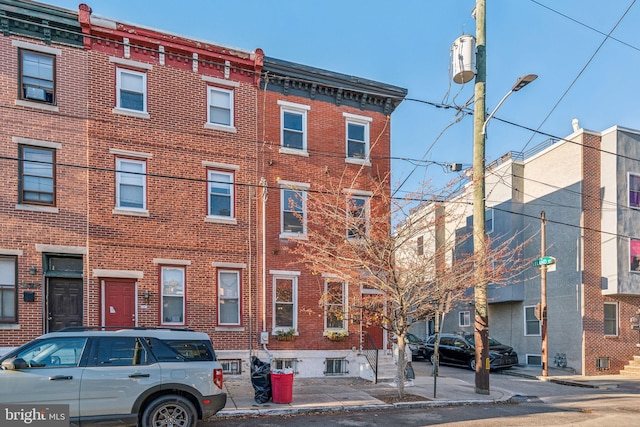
<point>417,346</point>
<point>458,349</point>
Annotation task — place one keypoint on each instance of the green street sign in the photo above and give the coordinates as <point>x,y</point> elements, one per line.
<point>545,260</point>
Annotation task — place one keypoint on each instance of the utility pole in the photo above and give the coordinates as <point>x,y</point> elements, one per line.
<point>543,294</point>
<point>481,323</point>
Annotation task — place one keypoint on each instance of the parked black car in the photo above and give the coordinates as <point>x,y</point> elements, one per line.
<point>459,349</point>
<point>417,346</point>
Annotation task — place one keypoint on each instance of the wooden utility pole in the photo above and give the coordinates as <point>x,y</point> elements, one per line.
<point>543,294</point>
<point>481,323</point>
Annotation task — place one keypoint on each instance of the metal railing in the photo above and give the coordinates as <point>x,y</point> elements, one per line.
<point>370,351</point>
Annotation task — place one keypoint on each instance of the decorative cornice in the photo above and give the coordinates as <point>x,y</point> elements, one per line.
<point>39,21</point>
<point>341,89</point>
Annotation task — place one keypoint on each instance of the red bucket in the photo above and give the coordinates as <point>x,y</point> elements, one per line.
<point>282,388</point>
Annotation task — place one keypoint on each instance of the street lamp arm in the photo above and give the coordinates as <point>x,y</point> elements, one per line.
<point>519,84</point>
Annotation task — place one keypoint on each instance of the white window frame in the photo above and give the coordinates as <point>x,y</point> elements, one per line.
<point>294,302</point>
<point>299,188</point>
<point>119,73</point>
<point>299,109</point>
<point>532,310</point>
<point>631,176</point>
<point>344,306</point>
<point>464,318</point>
<point>120,174</point>
<point>230,94</point>
<point>164,270</point>
<point>211,182</point>
<point>237,297</point>
<point>365,122</point>
<point>9,286</point>
<point>616,319</point>
<point>367,212</point>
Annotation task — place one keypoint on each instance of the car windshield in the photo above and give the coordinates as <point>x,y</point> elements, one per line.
<point>492,341</point>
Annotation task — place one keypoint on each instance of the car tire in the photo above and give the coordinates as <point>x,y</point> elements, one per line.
<point>170,410</point>
<point>472,364</point>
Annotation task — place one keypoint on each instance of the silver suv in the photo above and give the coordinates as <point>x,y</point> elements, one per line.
<point>139,376</point>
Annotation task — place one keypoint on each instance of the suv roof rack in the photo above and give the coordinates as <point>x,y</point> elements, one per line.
<point>119,328</point>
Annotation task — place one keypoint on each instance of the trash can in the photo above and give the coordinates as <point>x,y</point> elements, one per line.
<point>281,387</point>
<point>261,380</point>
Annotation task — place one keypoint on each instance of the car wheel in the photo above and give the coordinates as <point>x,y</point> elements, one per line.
<point>472,363</point>
<point>169,410</point>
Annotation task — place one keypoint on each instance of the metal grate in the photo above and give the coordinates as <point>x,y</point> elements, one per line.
<point>336,366</point>
<point>286,364</point>
<point>603,363</point>
<point>231,366</point>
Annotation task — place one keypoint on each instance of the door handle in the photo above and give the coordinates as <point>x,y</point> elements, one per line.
<point>61,377</point>
<point>139,375</point>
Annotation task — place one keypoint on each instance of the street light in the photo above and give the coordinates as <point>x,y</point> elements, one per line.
<point>522,82</point>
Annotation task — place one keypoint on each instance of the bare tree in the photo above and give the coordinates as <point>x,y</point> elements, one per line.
<point>350,237</point>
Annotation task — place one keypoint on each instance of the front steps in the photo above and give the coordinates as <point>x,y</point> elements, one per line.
<point>633,368</point>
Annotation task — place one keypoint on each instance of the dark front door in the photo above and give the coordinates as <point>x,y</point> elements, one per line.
<point>372,315</point>
<point>119,302</point>
<point>64,303</point>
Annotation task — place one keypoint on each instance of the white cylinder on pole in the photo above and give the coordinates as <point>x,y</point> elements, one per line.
<point>463,58</point>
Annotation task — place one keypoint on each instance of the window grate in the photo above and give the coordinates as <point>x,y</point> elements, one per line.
<point>603,363</point>
<point>286,364</point>
<point>338,366</point>
<point>534,359</point>
<point>231,366</point>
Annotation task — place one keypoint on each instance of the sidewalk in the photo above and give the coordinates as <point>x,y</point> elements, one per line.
<point>352,393</point>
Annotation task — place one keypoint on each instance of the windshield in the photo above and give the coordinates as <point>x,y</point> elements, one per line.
<point>492,341</point>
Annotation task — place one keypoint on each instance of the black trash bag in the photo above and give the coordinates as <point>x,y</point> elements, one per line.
<point>261,380</point>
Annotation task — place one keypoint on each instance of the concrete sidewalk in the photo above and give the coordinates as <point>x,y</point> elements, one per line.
<point>352,393</point>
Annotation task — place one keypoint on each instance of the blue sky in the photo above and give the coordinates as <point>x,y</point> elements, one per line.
<point>407,43</point>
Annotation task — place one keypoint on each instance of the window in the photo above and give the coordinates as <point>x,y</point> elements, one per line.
<point>228,297</point>
<point>335,303</point>
<point>357,133</point>
<point>611,318</point>
<point>336,366</point>
<point>532,325</point>
<point>121,351</point>
<point>464,318</point>
<point>293,211</point>
<point>357,217</point>
<point>634,252</point>
<point>534,359</point>
<point>131,89</point>
<point>285,303</point>
<point>173,287</point>
<point>131,184</point>
<point>293,119</point>
<point>286,364</point>
<point>59,351</point>
<point>37,77</point>
<point>220,107</point>
<point>221,192</point>
<point>634,191</point>
<point>231,366</point>
<point>37,175</point>
<point>420,245</point>
<point>8,289</point>
<point>488,221</point>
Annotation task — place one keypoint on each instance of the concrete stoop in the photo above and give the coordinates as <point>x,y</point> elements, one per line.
<point>633,368</point>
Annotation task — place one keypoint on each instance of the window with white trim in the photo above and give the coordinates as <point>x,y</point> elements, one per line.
<point>8,289</point>
<point>464,318</point>
<point>37,77</point>
<point>131,184</point>
<point>357,217</point>
<point>220,106</point>
<point>221,194</point>
<point>294,212</point>
<point>335,315</point>
<point>131,90</point>
<point>611,318</point>
<point>37,174</point>
<point>228,297</point>
<point>293,119</point>
<point>532,326</point>
<point>634,191</point>
<point>173,295</point>
<point>357,133</point>
<point>285,302</point>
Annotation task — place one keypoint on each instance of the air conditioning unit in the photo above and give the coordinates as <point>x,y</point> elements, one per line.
<point>36,93</point>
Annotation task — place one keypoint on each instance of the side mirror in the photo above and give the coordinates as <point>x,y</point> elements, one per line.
<point>14,364</point>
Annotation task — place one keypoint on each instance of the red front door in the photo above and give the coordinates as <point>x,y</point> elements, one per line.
<point>119,302</point>
<point>372,306</point>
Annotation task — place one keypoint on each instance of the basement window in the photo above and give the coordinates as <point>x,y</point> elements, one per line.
<point>336,366</point>
<point>231,366</point>
<point>286,364</point>
<point>603,363</point>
